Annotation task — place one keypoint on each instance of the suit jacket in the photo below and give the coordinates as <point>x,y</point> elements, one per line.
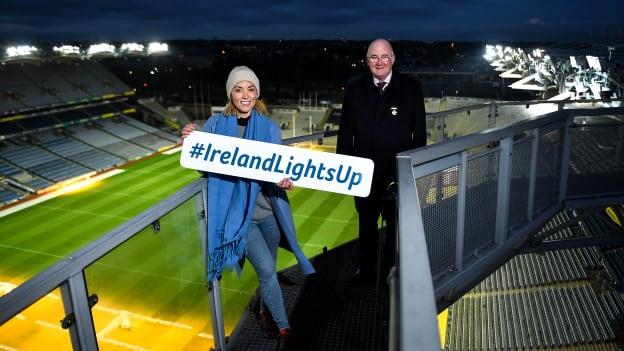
<point>378,126</point>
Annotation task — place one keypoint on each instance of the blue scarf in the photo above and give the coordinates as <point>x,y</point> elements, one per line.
<point>231,201</point>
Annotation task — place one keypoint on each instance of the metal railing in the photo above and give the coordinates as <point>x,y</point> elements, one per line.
<point>86,271</point>
<point>465,205</point>
<point>465,120</point>
<point>70,273</point>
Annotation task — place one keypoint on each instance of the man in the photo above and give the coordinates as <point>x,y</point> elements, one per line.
<point>383,113</point>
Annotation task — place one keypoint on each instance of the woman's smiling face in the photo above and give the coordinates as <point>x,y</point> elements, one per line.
<point>244,96</point>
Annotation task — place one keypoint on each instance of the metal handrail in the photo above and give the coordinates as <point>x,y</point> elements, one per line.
<point>68,274</point>
<point>38,286</point>
<point>415,285</point>
<point>517,103</point>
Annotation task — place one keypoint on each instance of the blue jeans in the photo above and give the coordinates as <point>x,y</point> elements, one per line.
<point>262,242</point>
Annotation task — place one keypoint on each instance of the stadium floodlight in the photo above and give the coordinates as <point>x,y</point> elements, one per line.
<point>594,62</point>
<point>101,49</point>
<point>20,51</point>
<point>536,71</point>
<point>157,48</point>
<point>514,73</point>
<point>490,53</point>
<point>132,48</point>
<point>528,83</point>
<point>67,50</point>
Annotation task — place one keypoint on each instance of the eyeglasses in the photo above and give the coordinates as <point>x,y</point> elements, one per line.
<point>375,58</point>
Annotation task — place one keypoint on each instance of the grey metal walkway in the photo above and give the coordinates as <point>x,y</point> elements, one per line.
<point>325,312</point>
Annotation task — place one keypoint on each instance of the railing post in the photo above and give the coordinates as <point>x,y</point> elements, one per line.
<point>532,172</point>
<point>461,212</point>
<point>214,293</point>
<point>566,143</point>
<point>492,115</point>
<point>418,326</point>
<point>216,313</point>
<point>441,127</point>
<point>504,183</point>
<point>76,304</point>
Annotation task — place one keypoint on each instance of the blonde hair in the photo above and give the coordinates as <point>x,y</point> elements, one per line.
<point>261,107</point>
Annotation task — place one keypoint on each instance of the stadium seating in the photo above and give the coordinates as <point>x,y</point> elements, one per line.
<point>8,196</point>
<point>23,177</point>
<point>109,83</point>
<point>48,79</point>
<point>78,152</point>
<point>311,116</point>
<point>45,164</point>
<point>149,129</point>
<point>91,134</point>
<point>121,129</point>
<point>542,300</point>
<point>24,93</point>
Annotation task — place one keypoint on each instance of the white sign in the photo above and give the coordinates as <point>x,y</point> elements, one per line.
<point>272,163</point>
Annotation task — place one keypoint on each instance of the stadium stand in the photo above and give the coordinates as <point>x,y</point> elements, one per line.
<point>109,83</point>
<point>59,117</point>
<point>119,127</point>
<point>22,91</point>
<point>48,79</point>
<point>552,299</point>
<point>315,117</point>
<point>149,129</point>
<point>8,195</point>
<point>42,163</point>
<point>23,177</point>
<point>89,79</point>
<point>40,100</point>
<point>173,118</point>
<point>92,134</point>
<point>77,151</point>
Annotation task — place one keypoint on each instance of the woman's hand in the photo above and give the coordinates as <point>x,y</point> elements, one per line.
<point>188,129</point>
<point>286,183</point>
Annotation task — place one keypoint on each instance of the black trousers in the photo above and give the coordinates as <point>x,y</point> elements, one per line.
<point>380,201</point>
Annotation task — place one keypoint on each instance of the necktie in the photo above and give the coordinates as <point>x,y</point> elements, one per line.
<point>380,86</point>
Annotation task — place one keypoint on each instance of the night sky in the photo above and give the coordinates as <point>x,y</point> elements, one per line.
<point>459,20</point>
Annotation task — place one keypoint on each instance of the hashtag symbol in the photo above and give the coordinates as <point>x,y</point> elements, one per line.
<point>197,150</point>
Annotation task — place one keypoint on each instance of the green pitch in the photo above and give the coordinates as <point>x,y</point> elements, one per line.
<point>158,277</point>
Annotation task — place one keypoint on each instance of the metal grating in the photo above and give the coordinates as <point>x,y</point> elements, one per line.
<point>325,312</point>
<point>615,261</point>
<point>519,187</point>
<point>547,173</point>
<point>535,269</point>
<point>438,194</point>
<point>567,232</point>
<point>596,151</point>
<point>533,319</point>
<point>481,190</point>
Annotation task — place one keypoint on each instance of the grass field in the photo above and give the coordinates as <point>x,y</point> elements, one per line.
<point>151,289</point>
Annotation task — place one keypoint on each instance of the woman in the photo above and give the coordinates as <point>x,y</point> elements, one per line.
<point>247,218</point>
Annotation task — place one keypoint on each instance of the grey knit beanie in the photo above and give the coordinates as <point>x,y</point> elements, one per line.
<point>239,74</point>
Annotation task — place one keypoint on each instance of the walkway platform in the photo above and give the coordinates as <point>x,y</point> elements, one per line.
<point>325,312</point>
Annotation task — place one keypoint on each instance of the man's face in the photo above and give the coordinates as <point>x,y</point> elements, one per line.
<point>380,60</point>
